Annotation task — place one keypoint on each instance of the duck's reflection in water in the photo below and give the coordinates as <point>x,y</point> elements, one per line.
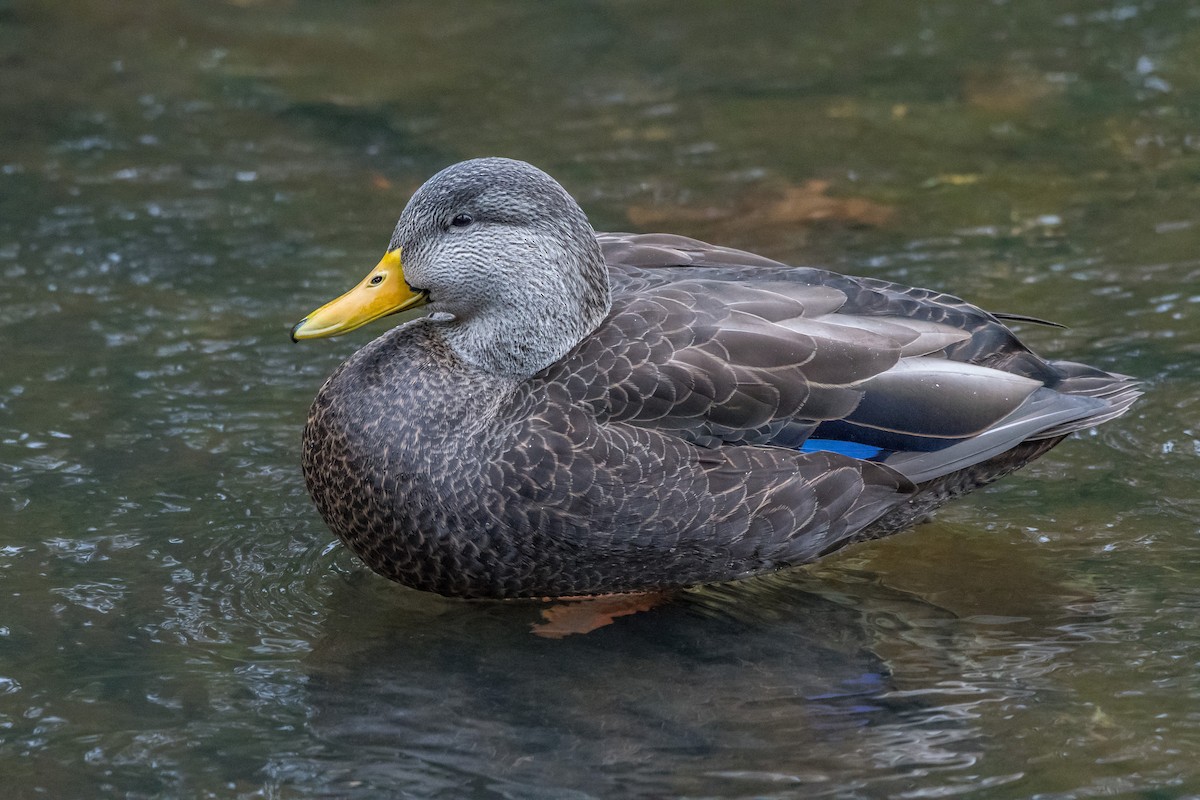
<point>757,688</point>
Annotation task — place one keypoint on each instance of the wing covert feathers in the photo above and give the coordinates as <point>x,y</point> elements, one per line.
<point>751,351</point>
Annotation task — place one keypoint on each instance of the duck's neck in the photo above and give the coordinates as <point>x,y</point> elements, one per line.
<point>525,326</point>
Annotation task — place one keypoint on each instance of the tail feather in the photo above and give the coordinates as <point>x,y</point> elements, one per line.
<point>1118,392</point>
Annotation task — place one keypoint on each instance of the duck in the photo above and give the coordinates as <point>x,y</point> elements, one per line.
<point>581,414</point>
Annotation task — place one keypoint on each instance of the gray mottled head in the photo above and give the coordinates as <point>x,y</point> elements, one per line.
<point>501,247</point>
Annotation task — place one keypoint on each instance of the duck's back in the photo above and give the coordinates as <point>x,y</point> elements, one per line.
<point>729,347</point>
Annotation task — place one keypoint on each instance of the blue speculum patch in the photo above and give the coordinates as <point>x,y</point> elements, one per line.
<point>852,449</point>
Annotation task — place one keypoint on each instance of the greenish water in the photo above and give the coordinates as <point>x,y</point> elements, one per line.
<point>180,182</point>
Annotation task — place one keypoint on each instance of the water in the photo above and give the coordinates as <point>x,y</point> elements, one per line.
<point>180,182</point>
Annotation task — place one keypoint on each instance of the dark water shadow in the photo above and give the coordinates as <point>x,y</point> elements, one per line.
<point>762,688</point>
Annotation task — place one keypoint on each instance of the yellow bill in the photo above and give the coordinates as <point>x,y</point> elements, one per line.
<point>383,292</point>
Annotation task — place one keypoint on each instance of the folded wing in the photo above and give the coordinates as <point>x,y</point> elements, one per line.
<point>721,347</point>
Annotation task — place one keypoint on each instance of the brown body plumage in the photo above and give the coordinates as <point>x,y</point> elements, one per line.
<point>659,447</point>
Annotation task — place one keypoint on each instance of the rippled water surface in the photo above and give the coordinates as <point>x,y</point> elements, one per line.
<point>181,181</point>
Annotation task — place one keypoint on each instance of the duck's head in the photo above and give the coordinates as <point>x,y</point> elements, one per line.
<point>501,252</point>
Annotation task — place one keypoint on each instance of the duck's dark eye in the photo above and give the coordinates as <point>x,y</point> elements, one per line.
<point>461,220</point>
<point>376,280</point>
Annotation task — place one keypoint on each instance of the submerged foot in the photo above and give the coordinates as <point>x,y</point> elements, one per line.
<point>587,614</point>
